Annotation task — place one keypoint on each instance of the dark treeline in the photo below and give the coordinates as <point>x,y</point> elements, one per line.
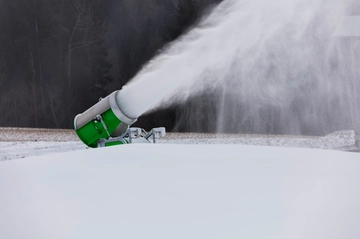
<point>58,57</point>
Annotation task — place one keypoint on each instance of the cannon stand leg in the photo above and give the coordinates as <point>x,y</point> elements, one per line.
<point>133,134</point>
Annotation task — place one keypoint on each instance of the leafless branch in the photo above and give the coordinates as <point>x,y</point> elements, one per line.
<point>3,73</point>
<point>77,21</point>
<point>67,30</point>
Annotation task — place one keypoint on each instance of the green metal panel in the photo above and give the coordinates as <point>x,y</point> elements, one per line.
<point>94,130</point>
<point>113,143</point>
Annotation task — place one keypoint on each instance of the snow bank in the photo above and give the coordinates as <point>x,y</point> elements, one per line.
<point>27,142</point>
<point>182,191</point>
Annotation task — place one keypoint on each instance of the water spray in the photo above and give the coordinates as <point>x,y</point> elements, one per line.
<point>350,27</point>
<point>106,124</point>
<point>272,67</point>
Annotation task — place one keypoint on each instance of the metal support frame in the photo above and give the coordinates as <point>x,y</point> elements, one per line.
<point>156,133</point>
<point>131,134</point>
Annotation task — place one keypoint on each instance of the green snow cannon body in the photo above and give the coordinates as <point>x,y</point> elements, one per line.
<point>105,124</point>
<point>103,120</point>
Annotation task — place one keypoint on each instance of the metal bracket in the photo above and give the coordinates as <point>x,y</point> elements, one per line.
<point>156,133</point>
<point>99,119</point>
<point>134,133</point>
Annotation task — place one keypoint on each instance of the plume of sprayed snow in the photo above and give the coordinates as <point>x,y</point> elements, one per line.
<point>266,60</point>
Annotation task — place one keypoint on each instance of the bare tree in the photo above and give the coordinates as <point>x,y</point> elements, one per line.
<point>80,8</point>
<point>37,49</point>
<point>33,86</point>
<point>80,35</point>
<point>57,107</point>
<point>3,78</point>
<point>3,72</point>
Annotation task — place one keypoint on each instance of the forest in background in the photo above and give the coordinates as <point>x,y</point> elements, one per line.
<point>58,57</point>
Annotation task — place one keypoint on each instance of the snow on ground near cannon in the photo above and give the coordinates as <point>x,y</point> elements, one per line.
<point>182,191</point>
<point>23,142</point>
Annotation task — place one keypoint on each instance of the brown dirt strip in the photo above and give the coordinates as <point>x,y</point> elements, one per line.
<point>65,135</point>
<point>31,134</point>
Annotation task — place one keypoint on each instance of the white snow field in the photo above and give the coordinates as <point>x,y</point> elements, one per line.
<point>24,142</point>
<point>169,191</point>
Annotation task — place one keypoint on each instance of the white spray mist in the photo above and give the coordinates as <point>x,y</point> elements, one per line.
<point>271,65</point>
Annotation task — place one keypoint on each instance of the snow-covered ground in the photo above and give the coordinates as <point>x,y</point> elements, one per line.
<point>23,142</point>
<point>174,191</point>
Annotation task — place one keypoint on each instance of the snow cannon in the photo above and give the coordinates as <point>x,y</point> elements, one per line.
<point>105,124</point>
